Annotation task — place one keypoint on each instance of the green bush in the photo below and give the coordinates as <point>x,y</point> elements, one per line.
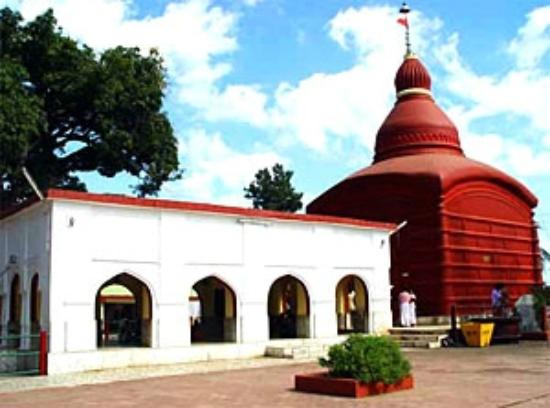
<point>542,296</point>
<point>368,359</point>
<point>542,299</point>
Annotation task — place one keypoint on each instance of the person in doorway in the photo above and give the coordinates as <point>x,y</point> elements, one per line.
<point>351,306</point>
<point>412,309</point>
<point>404,308</point>
<point>496,299</point>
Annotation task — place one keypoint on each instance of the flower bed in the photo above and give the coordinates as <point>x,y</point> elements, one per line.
<point>360,366</point>
<point>322,383</point>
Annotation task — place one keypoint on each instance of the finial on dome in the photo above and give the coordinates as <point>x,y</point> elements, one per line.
<point>412,78</point>
<point>404,21</point>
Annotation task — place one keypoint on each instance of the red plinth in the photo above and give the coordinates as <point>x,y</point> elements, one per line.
<point>321,383</point>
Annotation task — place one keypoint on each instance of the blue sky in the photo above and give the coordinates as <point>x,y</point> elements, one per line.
<point>308,83</point>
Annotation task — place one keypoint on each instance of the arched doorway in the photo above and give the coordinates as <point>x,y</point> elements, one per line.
<point>14,321</point>
<point>35,304</point>
<point>212,311</point>
<point>288,309</point>
<point>352,305</point>
<point>123,313</point>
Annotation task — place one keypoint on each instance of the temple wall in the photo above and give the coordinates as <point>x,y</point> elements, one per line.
<point>489,237</point>
<point>456,245</point>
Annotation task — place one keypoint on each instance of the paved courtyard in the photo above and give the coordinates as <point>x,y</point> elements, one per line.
<point>499,376</point>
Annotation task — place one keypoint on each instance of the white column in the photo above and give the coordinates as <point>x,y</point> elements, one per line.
<point>254,321</point>
<point>25,318</point>
<point>323,316</point>
<point>380,317</point>
<point>173,325</point>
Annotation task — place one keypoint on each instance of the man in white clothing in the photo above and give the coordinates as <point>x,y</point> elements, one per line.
<point>404,308</point>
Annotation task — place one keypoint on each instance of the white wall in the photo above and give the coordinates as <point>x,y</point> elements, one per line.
<point>171,250</point>
<point>86,244</point>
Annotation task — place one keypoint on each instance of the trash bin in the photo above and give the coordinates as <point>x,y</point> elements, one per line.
<point>477,334</point>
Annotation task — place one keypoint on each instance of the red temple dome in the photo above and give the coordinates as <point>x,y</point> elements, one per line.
<point>468,225</point>
<point>416,124</point>
<point>412,75</point>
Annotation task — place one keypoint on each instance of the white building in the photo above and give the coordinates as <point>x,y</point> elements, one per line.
<point>101,273</point>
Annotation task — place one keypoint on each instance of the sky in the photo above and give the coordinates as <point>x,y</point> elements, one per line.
<point>308,82</point>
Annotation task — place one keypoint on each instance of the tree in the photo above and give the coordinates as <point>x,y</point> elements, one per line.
<point>65,110</point>
<point>273,191</point>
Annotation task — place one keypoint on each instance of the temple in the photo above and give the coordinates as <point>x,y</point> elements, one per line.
<point>468,225</point>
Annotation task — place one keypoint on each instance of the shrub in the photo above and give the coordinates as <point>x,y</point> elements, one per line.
<point>368,359</point>
<point>542,299</point>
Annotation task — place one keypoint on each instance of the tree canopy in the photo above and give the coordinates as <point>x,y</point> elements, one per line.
<point>272,190</point>
<point>65,109</point>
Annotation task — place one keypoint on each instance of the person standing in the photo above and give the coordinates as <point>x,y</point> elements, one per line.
<point>404,308</point>
<point>504,306</point>
<point>412,309</point>
<point>496,299</point>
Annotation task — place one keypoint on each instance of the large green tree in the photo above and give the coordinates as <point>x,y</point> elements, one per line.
<point>272,190</point>
<point>65,109</point>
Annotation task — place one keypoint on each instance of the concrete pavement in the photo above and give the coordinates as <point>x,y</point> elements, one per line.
<point>498,376</point>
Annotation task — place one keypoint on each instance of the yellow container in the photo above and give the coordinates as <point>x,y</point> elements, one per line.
<point>477,334</point>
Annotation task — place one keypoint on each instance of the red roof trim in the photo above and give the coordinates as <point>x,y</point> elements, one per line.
<point>55,194</point>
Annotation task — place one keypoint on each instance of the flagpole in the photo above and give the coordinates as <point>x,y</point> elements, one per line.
<point>405,10</point>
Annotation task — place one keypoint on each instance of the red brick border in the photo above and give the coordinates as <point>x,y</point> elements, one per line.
<point>321,383</point>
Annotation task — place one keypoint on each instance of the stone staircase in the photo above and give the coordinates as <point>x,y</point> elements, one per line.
<point>429,332</point>
<point>301,349</point>
<point>420,337</point>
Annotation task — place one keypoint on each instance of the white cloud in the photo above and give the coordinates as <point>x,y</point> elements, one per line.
<point>192,34</point>
<point>328,105</point>
<point>351,103</point>
<point>242,103</point>
<point>516,95</point>
<point>374,30</point>
<point>517,92</point>
<point>526,160</point>
<point>251,3</point>
<point>521,159</point>
<point>189,34</point>
<point>533,39</point>
<point>322,108</point>
<point>216,172</point>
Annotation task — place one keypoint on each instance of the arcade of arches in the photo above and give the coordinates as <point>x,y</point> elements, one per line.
<point>16,325</point>
<point>124,310</point>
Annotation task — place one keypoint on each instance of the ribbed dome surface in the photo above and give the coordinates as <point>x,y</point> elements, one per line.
<point>412,74</point>
<point>416,125</point>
